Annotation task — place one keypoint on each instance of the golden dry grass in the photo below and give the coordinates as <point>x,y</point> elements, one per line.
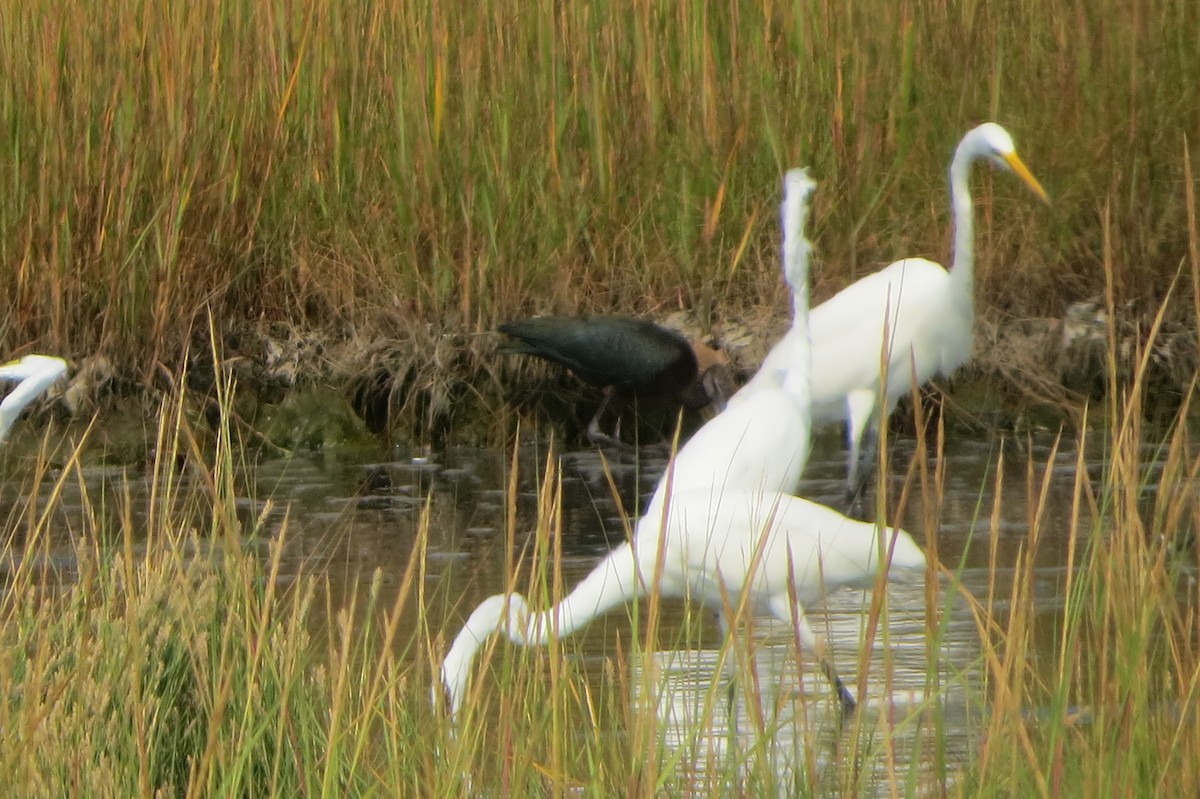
<point>331,163</point>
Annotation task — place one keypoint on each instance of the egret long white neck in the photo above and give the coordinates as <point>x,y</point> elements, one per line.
<point>797,251</point>
<point>962,268</point>
<point>614,581</point>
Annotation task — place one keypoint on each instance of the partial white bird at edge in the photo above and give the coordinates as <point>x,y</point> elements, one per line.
<point>34,375</point>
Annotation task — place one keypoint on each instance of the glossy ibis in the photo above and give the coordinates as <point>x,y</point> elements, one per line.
<point>621,355</point>
<point>714,536</point>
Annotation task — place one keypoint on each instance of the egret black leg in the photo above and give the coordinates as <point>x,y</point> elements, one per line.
<point>862,469</point>
<point>849,705</point>
<point>731,673</point>
<point>806,637</point>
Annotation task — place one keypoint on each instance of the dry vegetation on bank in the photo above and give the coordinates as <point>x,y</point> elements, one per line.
<point>358,168</point>
<point>155,647</point>
<point>364,171</point>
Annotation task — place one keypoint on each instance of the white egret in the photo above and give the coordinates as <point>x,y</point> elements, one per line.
<point>925,312</point>
<point>35,374</point>
<point>774,552</point>
<point>718,527</point>
<point>761,443</point>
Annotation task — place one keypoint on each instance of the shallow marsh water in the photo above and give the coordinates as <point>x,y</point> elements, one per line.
<point>353,519</point>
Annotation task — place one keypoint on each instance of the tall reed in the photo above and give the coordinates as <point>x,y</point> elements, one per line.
<point>157,644</point>
<point>325,163</point>
<point>164,647</point>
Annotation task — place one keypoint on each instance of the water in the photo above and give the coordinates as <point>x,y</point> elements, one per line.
<point>347,519</point>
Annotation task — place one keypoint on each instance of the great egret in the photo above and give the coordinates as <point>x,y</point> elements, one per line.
<point>621,354</point>
<point>767,552</point>
<point>761,443</point>
<point>718,527</point>
<point>914,310</point>
<point>35,374</point>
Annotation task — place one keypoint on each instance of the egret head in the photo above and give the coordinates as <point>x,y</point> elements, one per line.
<point>797,186</point>
<point>502,612</point>
<point>994,143</point>
<point>906,554</point>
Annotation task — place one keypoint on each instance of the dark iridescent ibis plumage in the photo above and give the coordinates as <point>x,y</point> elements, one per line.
<point>618,354</point>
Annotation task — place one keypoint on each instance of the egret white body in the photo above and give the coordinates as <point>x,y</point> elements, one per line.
<point>776,553</point>
<point>914,316</point>
<point>35,374</point>
<point>763,442</point>
<point>720,526</point>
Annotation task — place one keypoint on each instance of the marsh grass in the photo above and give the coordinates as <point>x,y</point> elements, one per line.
<point>332,163</point>
<point>175,656</point>
<point>163,649</point>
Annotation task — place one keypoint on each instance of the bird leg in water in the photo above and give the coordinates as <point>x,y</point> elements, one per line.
<point>730,668</point>
<point>862,469</point>
<point>602,439</point>
<point>807,638</point>
<point>844,695</point>
<point>822,652</point>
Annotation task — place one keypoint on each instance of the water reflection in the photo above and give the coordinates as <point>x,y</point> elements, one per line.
<point>785,710</point>
<point>348,519</point>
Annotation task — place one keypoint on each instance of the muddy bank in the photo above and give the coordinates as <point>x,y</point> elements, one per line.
<point>427,385</point>
<point>421,385</point>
